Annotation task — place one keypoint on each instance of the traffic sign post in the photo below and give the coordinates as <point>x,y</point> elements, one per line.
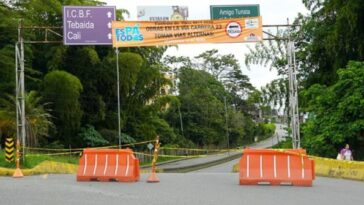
<point>87,25</point>
<point>234,11</point>
<point>150,146</point>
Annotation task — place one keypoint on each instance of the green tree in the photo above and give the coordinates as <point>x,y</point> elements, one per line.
<point>272,53</point>
<point>329,37</point>
<point>7,71</point>
<point>91,138</point>
<point>201,107</point>
<point>140,71</point>
<point>37,118</point>
<point>336,113</point>
<point>84,62</point>
<point>63,90</point>
<point>142,104</point>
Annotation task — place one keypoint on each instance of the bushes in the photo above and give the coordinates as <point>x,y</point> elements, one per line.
<point>265,130</point>
<point>91,138</point>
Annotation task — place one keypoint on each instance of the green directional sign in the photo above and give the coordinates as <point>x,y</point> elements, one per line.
<point>233,11</point>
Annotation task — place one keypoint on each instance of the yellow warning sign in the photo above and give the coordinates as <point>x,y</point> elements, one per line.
<point>9,149</point>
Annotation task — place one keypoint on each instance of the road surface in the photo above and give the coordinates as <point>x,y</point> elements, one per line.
<point>196,161</point>
<point>227,167</point>
<point>280,132</point>
<point>174,189</point>
<point>215,185</point>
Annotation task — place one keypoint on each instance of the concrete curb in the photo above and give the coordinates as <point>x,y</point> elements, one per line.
<point>46,167</point>
<point>339,168</point>
<point>163,163</point>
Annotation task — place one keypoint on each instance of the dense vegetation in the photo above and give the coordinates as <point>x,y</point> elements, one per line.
<point>71,90</point>
<point>328,40</point>
<point>72,100</point>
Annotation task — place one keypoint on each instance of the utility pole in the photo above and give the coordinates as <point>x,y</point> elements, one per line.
<point>19,89</point>
<point>227,126</point>
<point>293,93</point>
<point>180,120</point>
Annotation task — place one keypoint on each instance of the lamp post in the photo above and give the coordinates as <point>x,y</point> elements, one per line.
<point>227,126</point>
<point>118,94</point>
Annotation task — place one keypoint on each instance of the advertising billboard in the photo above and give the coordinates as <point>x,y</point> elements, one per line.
<point>162,13</point>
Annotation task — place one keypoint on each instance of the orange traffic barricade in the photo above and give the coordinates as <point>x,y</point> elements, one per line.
<point>108,165</point>
<point>276,167</point>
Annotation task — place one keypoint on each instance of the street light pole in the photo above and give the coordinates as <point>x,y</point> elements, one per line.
<point>227,126</point>
<point>118,89</point>
<point>180,120</point>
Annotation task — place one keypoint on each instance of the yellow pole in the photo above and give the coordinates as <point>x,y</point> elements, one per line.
<point>153,177</point>
<point>18,173</point>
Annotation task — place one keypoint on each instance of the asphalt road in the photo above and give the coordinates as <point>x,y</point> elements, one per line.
<point>206,187</point>
<point>195,161</point>
<point>174,189</point>
<point>227,167</point>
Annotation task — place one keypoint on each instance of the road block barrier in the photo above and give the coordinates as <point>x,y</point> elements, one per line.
<point>276,167</point>
<point>108,165</point>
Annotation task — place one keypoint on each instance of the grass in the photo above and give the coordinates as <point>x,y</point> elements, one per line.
<point>33,160</point>
<point>286,144</point>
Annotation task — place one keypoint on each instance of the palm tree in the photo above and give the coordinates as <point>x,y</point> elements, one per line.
<point>37,118</point>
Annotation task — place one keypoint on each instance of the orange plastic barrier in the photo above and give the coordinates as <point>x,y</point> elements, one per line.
<point>276,167</point>
<point>108,165</point>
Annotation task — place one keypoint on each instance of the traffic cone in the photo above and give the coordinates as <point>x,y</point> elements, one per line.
<point>18,173</point>
<point>153,177</point>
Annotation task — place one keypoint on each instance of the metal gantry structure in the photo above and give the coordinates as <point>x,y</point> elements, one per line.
<point>52,35</point>
<point>293,95</point>
<point>292,81</point>
<point>51,31</point>
<point>20,90</point>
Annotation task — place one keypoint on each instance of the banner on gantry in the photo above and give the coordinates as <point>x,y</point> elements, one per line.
<point>159,33</point>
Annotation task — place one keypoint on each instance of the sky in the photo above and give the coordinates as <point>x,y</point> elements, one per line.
<point>272,12</point>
